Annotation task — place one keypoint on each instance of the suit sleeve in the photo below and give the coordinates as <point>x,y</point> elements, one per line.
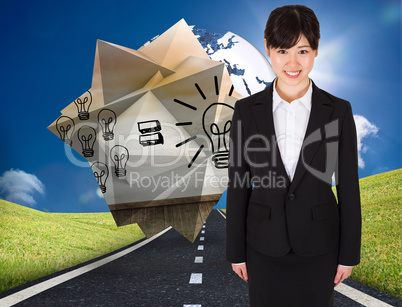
<point>347,187</point>
<point>238,193</point>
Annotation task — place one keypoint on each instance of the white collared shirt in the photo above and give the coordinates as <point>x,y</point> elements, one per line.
<point>290,122</point>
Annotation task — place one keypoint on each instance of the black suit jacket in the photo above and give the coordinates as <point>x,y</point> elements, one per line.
<point>275,215</point>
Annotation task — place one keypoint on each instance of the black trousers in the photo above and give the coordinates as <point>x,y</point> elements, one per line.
<point>291,280</point>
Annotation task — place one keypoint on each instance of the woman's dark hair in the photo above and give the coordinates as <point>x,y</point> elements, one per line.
<point>286,24</point>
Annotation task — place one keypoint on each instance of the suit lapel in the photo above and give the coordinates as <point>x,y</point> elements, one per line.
<point>320,115</point>
<point>262,110</point>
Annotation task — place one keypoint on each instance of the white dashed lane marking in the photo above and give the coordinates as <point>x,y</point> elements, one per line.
<point>196,278</point>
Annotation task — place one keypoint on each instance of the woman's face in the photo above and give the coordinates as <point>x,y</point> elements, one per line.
<point>293,65</point>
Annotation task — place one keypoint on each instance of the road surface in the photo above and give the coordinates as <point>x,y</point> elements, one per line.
<point>166,270</point>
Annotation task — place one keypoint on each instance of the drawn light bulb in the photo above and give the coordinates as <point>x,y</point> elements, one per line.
<point>217,131</point>
<point>107,120</point>
<point>83,103</point>
<point>87,137</point>
<point>65,126</point>
<point>101,172</point>
<point>119,155</point>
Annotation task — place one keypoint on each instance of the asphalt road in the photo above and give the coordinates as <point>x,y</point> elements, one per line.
<point>166,272</point>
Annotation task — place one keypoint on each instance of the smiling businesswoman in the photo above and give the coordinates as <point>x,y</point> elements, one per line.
<point>287,235</point>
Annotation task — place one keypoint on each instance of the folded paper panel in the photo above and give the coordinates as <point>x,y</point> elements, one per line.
<point>174,45</point>
<point>154,128</point>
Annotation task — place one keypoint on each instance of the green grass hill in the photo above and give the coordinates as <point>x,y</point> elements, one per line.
<point>34,244</point>
<point>380,265</point>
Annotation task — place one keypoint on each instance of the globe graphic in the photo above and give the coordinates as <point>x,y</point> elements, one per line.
<point>248,68</point>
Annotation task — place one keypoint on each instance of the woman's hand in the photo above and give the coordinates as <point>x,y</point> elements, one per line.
<point>342,273</point>
<point>241,270</point>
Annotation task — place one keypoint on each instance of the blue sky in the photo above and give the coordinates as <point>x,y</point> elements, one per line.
<point>47,58</point>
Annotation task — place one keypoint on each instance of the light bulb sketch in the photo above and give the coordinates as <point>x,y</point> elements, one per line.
<point>101,172</point>
<point>83,103</point>
<point>218,132</point>
<point>107,120</point>
<point>65,126</point>
<point>119,155</point>
<point>87,137</point>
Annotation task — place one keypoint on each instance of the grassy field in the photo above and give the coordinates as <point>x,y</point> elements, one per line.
<point>34,244</point>
<point>380,266</point>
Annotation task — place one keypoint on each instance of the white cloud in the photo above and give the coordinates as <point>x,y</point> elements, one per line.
<point>364,129</point>
<point>18,187</point>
